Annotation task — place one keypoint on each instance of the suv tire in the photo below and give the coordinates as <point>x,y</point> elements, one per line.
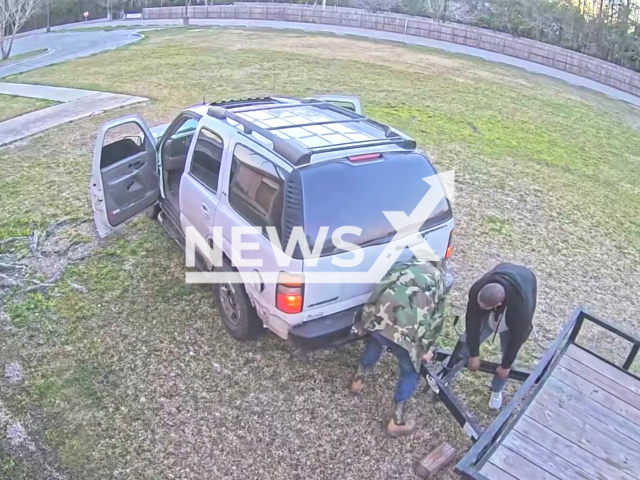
<point>153,211</point>
<point>235,309</point>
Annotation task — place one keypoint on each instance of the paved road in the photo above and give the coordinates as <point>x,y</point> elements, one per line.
<point>65,46</point>
<point>71,45</point>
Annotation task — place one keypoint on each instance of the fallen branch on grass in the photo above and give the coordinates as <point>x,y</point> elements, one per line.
<point>7,241</point>
<point>37,287</point>
<point>79,258</point>
<point>49,230</point>
<point>36,244</point>
<point>65,250</point>
<point>33,243</point>
<point>7,281</point>
<point>11,266</point>
<point>46,284</point>
<point>79,288</point>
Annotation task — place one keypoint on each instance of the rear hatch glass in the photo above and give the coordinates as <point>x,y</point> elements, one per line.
<point>345,193</point>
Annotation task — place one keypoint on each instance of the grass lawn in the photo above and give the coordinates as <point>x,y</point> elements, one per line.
<point>128,372</point>
<point>12,106</point>
<point>22,56</point>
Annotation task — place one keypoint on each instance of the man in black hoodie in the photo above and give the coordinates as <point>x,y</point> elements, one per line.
<point>502,302</point>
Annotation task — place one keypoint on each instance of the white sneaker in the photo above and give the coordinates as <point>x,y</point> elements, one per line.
<point>495,402</point>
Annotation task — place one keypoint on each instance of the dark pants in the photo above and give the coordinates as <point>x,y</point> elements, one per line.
<point>409,377</point>
<point>497,384</point>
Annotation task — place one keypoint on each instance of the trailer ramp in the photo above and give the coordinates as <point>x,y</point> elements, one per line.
<point>576,417</point>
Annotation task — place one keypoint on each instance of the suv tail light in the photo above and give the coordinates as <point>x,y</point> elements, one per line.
<point>290,292</point>
<point>450,246</point>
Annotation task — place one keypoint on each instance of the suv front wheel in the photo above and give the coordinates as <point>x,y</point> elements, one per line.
<point>237,313</point>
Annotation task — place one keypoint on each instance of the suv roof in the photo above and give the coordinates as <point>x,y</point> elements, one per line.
<point>299,129</point>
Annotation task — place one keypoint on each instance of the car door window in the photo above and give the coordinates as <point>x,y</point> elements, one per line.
<point>256,188</point>
<point>122,142</point>
<point>207,158</point>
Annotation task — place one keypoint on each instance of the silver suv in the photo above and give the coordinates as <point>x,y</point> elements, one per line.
<point>280,163</point>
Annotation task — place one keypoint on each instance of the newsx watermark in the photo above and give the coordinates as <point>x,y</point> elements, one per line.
<point>343,267</point>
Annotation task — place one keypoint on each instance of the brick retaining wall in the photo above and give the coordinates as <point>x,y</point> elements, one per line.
<point>524,48</point>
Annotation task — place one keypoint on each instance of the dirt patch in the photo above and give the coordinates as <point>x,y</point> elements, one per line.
<point>15,440</point>
<point>37,262</point>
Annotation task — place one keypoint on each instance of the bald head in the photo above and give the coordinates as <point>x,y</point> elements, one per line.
<point>491,296</point>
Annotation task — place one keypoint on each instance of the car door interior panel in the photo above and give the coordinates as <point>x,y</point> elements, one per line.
<point>129,179</point>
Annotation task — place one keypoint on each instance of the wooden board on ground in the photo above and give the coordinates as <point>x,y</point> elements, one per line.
<point>435,461</point>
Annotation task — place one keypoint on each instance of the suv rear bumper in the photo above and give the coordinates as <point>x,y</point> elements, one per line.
<point>336,330</point>
<point>326,332</point>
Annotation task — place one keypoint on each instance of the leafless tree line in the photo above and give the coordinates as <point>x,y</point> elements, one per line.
<point>607,29</point>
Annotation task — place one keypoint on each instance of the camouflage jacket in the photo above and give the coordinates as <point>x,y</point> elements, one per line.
<point>407,307</point>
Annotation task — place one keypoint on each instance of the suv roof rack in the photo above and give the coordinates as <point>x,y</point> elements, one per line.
<point>245,102</point>
<point>291,150</point>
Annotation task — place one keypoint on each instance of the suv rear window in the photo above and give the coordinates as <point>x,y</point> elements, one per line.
<point>340,194</point>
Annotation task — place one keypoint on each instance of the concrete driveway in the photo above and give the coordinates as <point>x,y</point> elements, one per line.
<point>65,45</point>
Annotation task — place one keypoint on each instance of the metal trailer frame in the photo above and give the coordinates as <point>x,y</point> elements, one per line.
<point>445,369</point>
<point>471,464</point>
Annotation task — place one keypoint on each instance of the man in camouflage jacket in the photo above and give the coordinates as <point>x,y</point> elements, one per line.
<point>404,314</point>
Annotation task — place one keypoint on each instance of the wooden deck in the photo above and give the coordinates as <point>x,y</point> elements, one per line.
<point>584,423</point>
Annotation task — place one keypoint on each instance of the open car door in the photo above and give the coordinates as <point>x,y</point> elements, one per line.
<point>124,176</point>
<point>344,101</point>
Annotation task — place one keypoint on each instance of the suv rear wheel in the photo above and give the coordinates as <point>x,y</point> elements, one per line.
<point>238,315</point>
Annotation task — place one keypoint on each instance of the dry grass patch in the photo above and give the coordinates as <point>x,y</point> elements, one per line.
<point>12,106</point>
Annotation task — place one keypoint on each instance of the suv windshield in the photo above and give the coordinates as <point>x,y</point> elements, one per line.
<point>343,193</point>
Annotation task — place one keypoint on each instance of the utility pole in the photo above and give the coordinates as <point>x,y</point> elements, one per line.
<point>48,23</point>
<point>185,19</point>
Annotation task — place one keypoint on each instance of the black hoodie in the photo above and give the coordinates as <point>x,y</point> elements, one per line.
<point>521,290</point>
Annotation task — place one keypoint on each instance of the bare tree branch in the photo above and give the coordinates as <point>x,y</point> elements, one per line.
<point>13,15</point>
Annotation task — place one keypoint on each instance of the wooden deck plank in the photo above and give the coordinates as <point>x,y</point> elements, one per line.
<point>543,458</point>
<point>614,388</point>
<point>617,375</point>
<point>519,467</point>
<point>557,393</point>
<point>494,473</point>
<point>597,394</point>
<point>592,435</point>
<point>569,451</point>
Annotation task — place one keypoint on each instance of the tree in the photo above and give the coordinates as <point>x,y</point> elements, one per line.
<point>13,15</point>
<point>380,5</point>
<point>436,9</point>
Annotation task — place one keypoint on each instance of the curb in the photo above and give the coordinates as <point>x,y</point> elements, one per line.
<point>28,59</point>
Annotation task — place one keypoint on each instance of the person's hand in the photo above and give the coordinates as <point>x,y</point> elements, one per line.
<point>474,364</point>
<point>427,357</point>
<point>502,373</point>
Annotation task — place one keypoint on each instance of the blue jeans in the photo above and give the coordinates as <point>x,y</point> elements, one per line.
<point>497,384</point>
<point>409,377</point>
